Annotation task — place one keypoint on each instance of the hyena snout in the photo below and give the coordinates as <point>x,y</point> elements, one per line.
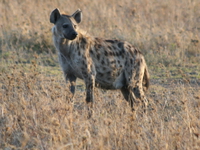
<point>71,35</point>
<point>69,32</point>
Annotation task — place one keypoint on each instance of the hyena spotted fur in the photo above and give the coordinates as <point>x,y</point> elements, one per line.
<point>110,64</point>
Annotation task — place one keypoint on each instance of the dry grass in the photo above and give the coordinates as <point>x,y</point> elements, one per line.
<point>34,109</point>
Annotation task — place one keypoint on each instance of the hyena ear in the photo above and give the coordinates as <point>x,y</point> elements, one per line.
<point>77,16</point>
<point>55,15</point>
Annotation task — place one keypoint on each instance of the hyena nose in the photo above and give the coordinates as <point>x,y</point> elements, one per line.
<point>74,35</point>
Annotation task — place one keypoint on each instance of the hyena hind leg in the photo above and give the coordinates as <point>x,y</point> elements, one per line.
<point>137,80</point>
<point>139,93</point>
<point>130,98</point>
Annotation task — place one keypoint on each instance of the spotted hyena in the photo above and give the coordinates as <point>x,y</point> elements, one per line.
<point>109,64</point>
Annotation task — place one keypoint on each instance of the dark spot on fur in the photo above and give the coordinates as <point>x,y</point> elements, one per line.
<point>98,40</point>
<point>141,61</point>
<point>91,52</point>
<point>131,52</point>
<point>110,41</point>
<point>108,62</point>
<point>83,40</point>
<point>97,68</point>
<point>83,62</point>
<point>126,63</point>
<point>118,54</point>
<point>110,47</point>
<point>113,62</point>
<point>135,51</point>
<point>120,45</point>
<point>99,46</point>
<point>78,46</point>
<point>118,61</point>
<point>138,61</point>
<point>79,53</point>
<point>105,53</point>
<point>104,68</point>
<point>108,73</point>
<point>102,62</point>
<point>84,58</point>
<point>110,53</point>
<point>98,56</point>
<point>109,79</point>
<point>84,65</point>
<point>84,73</point>
<point>131,61</point>
<point>100,74</point>
<point>122,50</point>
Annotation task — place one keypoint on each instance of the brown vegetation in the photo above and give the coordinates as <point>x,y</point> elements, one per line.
<point>34,109</point>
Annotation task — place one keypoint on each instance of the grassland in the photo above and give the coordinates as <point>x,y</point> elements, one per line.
<point>35,112</point>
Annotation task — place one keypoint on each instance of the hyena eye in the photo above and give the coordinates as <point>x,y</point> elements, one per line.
<point>65,25</point>
<point>75,26</point>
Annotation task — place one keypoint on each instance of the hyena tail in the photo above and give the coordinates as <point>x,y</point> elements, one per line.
<point>146,79</point>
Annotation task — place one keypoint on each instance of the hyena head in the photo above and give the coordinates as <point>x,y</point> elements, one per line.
<point>65,25</point>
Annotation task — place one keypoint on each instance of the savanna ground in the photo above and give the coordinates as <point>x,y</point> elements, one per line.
<point>35,112</point>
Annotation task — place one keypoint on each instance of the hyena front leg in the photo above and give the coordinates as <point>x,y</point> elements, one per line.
<point>88,73</point>
<point>90,83</point>
<point>72,79</point>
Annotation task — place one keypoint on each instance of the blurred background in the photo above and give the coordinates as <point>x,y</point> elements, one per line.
<point>35,112</point>
<point>167,32</point>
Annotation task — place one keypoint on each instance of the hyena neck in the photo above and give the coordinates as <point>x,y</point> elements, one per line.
<point>65,46</point>
<point>80,42</point>
<point>61,44</point>
<point>83,39</point>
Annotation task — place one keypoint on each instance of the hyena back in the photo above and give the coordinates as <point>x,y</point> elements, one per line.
<point>110,64</point>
